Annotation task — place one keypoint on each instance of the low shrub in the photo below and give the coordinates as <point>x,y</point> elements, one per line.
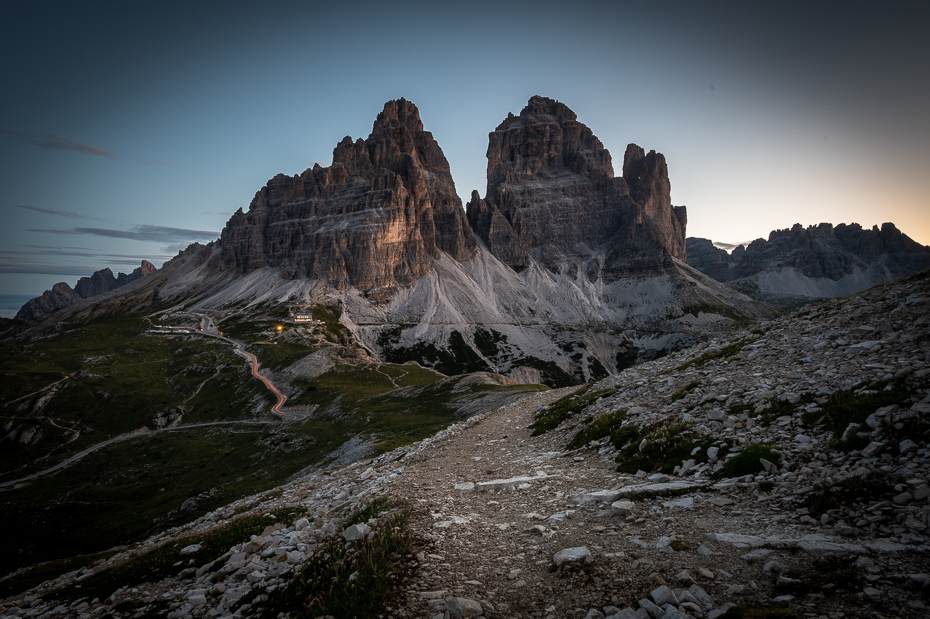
<point>854,406</point>
<point>747,462</point>
<point>684,391</point>
<point>162,562</point>
<point>666,446</point>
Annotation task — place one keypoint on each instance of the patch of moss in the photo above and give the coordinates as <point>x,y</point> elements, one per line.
<point>725,352</point>
<point>680,545</point>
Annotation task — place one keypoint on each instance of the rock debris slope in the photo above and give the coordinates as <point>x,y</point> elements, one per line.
<point>797,265</point>
<point>832,522</point>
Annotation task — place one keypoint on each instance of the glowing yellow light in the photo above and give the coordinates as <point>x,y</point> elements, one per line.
<point>280,328</point>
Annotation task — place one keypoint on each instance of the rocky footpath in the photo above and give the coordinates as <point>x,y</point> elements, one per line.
<point>509,520</point>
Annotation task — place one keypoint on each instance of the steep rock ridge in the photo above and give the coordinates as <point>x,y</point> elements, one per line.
<point>552,191</point>
<point>800,264</point>
<point>62,295</point>
<point>372,220</point>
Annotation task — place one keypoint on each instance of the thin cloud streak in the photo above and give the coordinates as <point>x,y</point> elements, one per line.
<point>37,268</point>
<point>157,234</point>
<point>146,233</point>
<point>51,141</point>
<point>48,211</point>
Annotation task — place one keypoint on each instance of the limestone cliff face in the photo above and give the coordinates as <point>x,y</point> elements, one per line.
<point>551,191</point>
<point>62,295</point>
<point>374,219</point>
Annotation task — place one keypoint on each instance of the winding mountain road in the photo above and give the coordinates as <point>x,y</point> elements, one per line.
<point>208,327</point>
<point>7,485</point>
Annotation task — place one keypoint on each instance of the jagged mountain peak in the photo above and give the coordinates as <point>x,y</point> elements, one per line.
<point>552,191</point>
<point>373,220</point>
<point>398,113</point>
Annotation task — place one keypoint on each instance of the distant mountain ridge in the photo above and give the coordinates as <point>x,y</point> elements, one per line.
<point>62,295</point>
<point>798,264</point>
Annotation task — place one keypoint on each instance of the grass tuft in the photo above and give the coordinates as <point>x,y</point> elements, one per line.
<point>563,408</point>
<point>604,425</point>
<point>345,579</point>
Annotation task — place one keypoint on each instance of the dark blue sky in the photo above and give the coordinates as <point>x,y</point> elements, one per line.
<point>130,129</point>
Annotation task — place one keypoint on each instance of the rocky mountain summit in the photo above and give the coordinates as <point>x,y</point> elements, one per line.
<point>782,469</point>
<point>374,219</point>
<point>799,264</point>
<point>62,295</point>
<point>552,191</point>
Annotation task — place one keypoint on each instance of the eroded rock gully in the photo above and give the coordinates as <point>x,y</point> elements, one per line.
<point>511,525</point>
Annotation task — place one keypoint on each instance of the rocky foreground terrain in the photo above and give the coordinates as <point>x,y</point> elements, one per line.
<point>831,522</point>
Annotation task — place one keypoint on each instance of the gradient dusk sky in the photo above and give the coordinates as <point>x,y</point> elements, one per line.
<point>130,129</point>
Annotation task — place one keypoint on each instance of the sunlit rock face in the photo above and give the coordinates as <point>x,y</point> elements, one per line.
<point>552,192</point>
<point>372,220</point>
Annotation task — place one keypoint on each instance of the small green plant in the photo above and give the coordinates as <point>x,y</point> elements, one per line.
<point>658,448</point>
<point>604,425</point>
<point>563,408</point>
<point>747,462</point>
<point>680,545</point>
<point>854,406</point>
<point>766,485</point>
<point>684,391</point>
